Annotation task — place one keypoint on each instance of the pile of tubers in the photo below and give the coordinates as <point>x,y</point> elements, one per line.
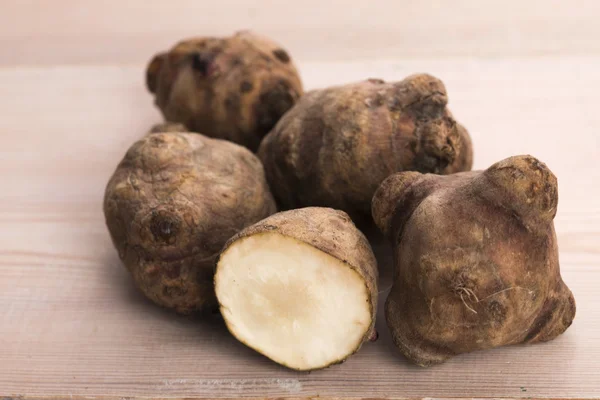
<point>192,212</point>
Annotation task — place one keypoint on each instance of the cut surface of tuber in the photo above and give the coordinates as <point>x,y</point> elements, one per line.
<point>293,303</point>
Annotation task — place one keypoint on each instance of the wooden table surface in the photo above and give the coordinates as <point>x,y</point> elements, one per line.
<point>524,77</point>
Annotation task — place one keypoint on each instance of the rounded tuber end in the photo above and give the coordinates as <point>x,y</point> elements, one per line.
<point>153,70</point>
<point>527,186</point>
<point>423,93</point>
<point>387,196</point>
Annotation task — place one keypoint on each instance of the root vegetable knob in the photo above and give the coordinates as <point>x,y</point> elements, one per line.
<point>299,287</point>
<point>476,259</point>
<point>171,205</point>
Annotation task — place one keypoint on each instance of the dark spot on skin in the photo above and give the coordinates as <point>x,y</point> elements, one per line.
<point>236,62</point>
<point>413,144</point>
<point>376,81</point>
<point>233,104</point>
<point>205,272</point>
<point>203,63</point>
<point>281,55</point>
<point>174,271</point>
<point>272,104</point>
<point>246,87</point>
<point>164,227</point>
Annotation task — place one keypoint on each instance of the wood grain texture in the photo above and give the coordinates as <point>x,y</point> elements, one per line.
<point>255,398</point>
<point>41,32</point>
<point>71,322</point>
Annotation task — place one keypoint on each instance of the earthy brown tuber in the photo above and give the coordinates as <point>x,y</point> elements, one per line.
<point>476,259</point>
<point>336,145</point>
<point>171,205</point>
<point>233,88</point>
<point>300,287</point>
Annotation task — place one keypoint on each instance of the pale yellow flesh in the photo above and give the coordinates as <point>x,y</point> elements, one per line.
<point>292,302</point>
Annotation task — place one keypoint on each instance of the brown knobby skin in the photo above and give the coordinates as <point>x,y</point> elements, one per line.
<point>233,88</point>
<point>291,241</point>
<point>171,205</point>
<point>336,145</point>
<point>476,259</point>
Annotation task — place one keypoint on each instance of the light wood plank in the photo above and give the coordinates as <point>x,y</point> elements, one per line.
<point>35,32</point>
<point>71,323</point>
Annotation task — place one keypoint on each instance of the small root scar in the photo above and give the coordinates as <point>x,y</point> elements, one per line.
<point>531,292</point>
<point>468,294</point>
<point>463,292</point>
<point>466,305</point>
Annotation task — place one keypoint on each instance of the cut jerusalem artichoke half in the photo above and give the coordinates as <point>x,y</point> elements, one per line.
<point>476,259</point>
<point>299,287</point>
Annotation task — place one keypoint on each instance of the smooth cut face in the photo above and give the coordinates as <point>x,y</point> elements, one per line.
<point>292,302</point>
